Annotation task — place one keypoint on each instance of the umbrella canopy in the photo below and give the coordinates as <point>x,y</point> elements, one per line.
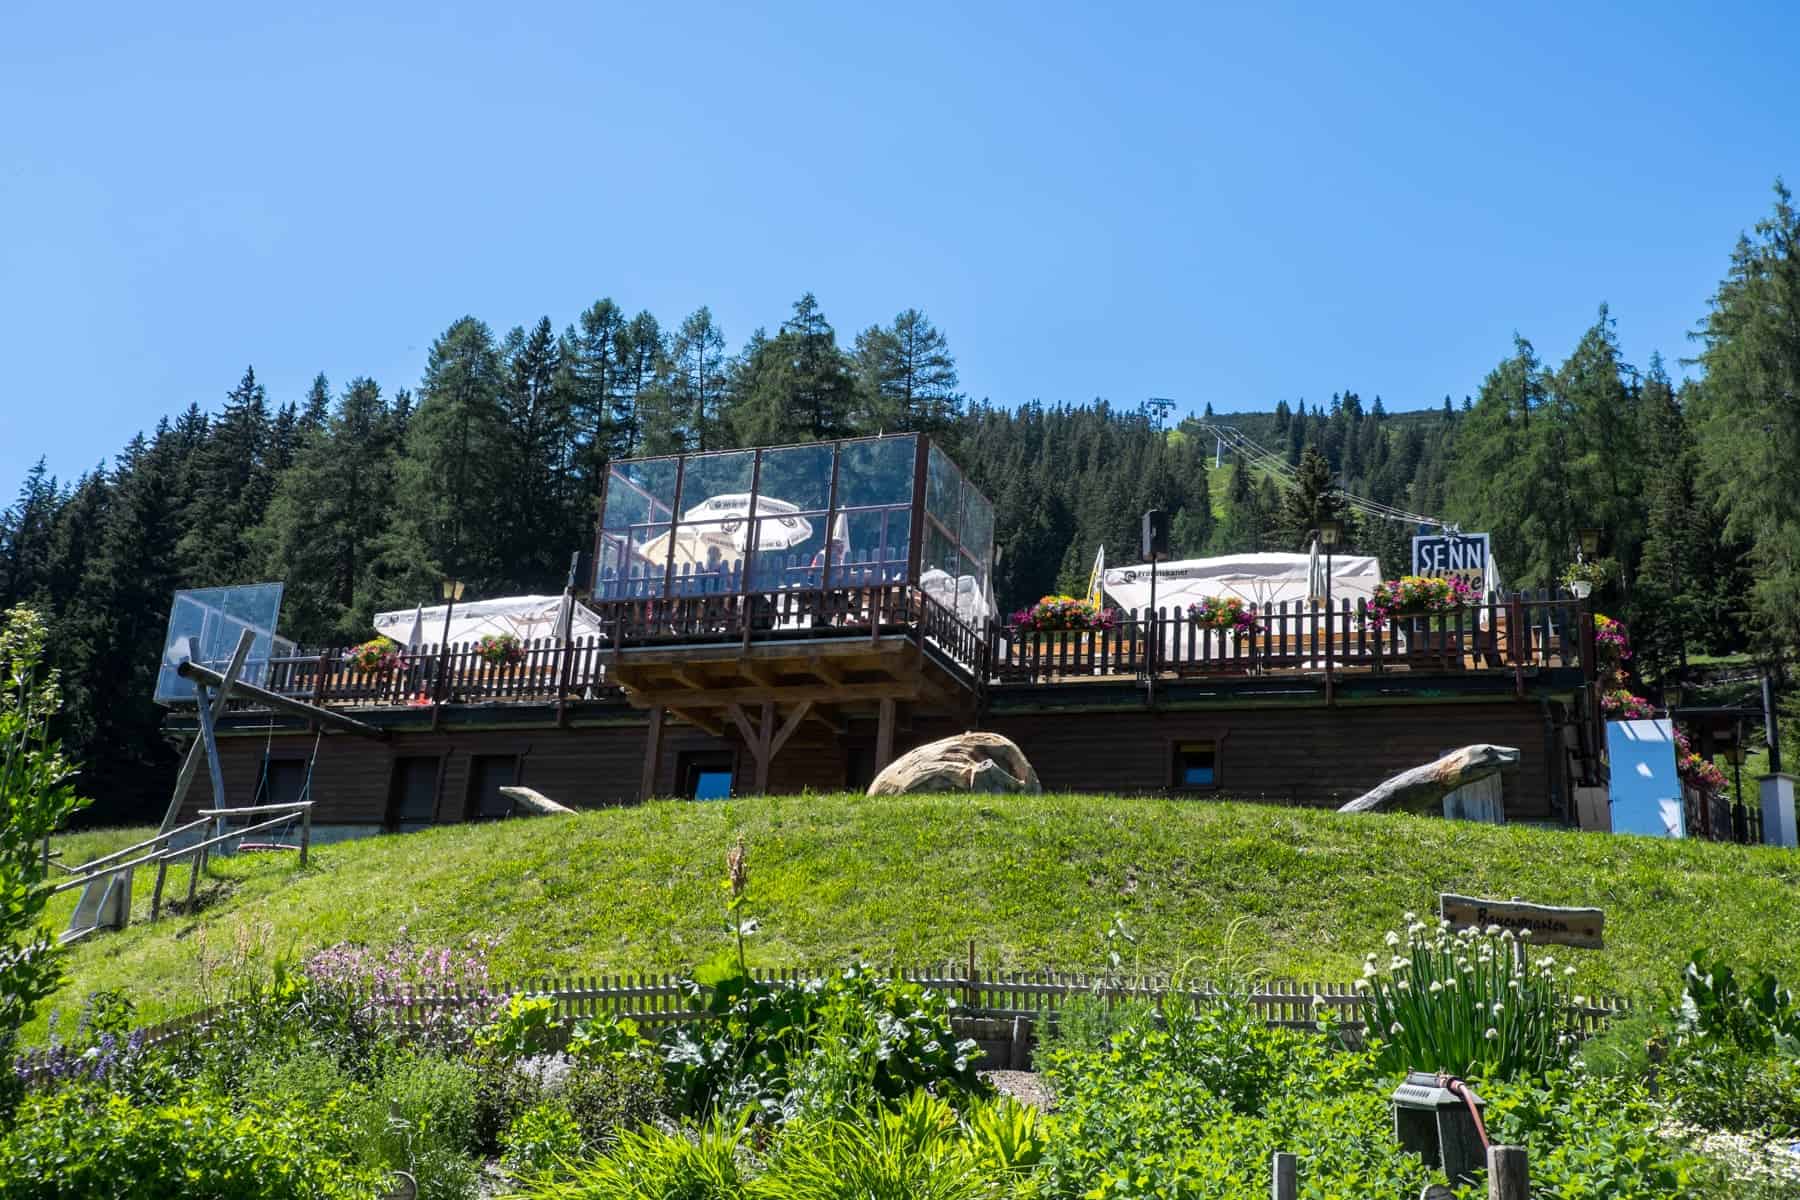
<point>720,521</point>
<point>1260,579</point>
<point>524,617</point>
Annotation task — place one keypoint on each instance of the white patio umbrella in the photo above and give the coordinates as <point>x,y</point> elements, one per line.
<point>721,521</point>
<point>1315,574</point>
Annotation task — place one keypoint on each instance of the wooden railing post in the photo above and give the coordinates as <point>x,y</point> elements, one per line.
<point>1508,1173</point>
<point>305,832</point>
<point>1285,1184</point>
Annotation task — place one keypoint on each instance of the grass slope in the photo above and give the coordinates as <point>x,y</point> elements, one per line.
<point>1034,881</point>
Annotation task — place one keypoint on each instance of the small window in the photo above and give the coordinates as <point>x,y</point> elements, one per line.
<point>1196,765</point>
<point>707,776</point>
<point>412,797</point>
<point>488,774</point>
<point>286,782</point>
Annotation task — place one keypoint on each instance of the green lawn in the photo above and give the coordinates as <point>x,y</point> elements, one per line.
<point>1033,881</point>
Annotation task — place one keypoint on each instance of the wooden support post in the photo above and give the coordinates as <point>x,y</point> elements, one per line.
<point>1285,1184</point>
<point>162,874</point>
<point>1508,1177</point>
<point>203,710</point>
<point>305,833</point>
<point>652,754</point>
<point>193,878</point>
<point>766,750</point>
<point>884,736</point>
<point>191,763</point>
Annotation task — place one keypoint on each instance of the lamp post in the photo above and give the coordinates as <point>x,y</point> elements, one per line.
<point>452,590</point>
<point>1331,528</point>
<point>1590,544</point>
<point>1734,753</point>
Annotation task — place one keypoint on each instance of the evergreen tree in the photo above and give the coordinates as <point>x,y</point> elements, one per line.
<point>231,484</point>
<point>1312,497</point>
<point>907,376</point>
<point>684,409</point>
<point>1747,417</point>
<point>25,538</point>
<point>315,411</point>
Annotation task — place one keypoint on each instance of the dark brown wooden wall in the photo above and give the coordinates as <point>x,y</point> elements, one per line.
<point>1309,756</point>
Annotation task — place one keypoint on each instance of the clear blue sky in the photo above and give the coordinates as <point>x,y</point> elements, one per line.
<point>1236,206</point>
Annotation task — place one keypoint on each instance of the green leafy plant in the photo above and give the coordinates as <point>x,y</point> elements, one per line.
<point>1466,1003</point>
<point>611,1096</point>
<point>83,1142</point>
<point>523,1026</point>
<point>35,797</point>
<point>542,1139</point>
<point>1756,1014</point>
<point>596,1039</point>
<point>419,1117</point>
<point>649,1164</point>
<point>914,1151</point>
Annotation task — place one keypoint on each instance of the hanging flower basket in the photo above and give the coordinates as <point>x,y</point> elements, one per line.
<point>1583,577</point>
<point>1417,596</point>
<point>1225,612</point>
<point>1611,645</point>
<point>500,649</point>
<point>1063,614</point>
<point>1621,705</point>
<point>374,656</point>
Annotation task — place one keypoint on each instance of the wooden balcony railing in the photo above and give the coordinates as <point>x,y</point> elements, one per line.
<point>1500,634</point>
<point>1503,634</point>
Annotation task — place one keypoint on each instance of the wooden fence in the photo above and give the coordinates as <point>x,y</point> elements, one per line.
<point>1000,1010</point>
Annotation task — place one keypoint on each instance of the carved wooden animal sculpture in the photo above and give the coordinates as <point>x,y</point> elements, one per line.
<point>1423,789</point>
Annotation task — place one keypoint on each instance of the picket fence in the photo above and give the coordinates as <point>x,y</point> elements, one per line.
<point>998,1009</point>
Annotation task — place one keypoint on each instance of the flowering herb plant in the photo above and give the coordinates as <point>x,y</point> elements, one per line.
<point>1412,595</point>
<point>376,654</point>
<point>1054,614</point>
<point>1225,612</point>
<point>1701,775</point>
<point>500,649</point>
<point>1467,1003</point>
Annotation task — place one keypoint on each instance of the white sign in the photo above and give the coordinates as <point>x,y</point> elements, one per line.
<point>1452,555</point>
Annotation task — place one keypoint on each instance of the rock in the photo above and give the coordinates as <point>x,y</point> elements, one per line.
<point>968,762</point>
<point>1423,789</point>
<point>533,803</point>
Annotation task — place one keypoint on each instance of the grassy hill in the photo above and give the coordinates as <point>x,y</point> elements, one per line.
<point>1034,882</point>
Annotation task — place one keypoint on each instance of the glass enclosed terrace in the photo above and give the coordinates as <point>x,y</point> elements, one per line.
<point>856,514</point>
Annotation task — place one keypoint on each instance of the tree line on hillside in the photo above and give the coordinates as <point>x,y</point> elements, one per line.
<point>488,471</point>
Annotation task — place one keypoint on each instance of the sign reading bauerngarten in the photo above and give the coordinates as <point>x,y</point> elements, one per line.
<point>1461,556</point>
<point>1580,927</point>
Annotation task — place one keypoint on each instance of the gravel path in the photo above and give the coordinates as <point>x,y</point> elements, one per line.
<point>1027,1087</point>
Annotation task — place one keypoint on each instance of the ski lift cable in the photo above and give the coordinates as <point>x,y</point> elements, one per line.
<point>1260,456</point>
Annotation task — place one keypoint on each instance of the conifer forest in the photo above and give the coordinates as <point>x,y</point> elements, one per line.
<point>362,494</point>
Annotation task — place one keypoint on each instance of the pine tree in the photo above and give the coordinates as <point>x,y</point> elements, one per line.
<point>591,356</point>
<point>906,376</point>
<point>315,411</point>
<point>1311,498</point>
<point>1748,422</point>
<point>684,408</point>
<point>25,537</point>
<point>230,485</point>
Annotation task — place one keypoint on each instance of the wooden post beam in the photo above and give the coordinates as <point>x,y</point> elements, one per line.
<point>299,708</point>
<point>884,737</point>
<point>652,755</point>
<point>766,730</point>
<point>191,764</point>
<point>787,728</point>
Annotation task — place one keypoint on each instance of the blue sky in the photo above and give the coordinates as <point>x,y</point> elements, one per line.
<point>1233,205</point>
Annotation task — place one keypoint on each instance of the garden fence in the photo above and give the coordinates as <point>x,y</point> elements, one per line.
<point>998,1009</point>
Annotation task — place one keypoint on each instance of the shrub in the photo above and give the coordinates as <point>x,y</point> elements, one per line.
<point>611,1096</point>
<point>543,1138</point>
<point>79,1142</point>
<point>419,1117</point>
<point>503,1089</point>
<point>523,1026</point>
<point>853,1038</point>
<point>915,1150</point>
<point>1464,1004</point>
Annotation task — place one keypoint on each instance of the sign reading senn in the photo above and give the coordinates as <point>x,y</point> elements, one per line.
<point>1579,927</point>
<point>1463,555</point>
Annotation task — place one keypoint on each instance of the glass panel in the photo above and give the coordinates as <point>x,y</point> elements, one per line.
<point>876,471</point>
<point>977,528</point>
<point>712,785</point>
<point>943,490</point>
<point>216,618</point>
<point>790,552</point>
<point>877,547</point>
<point>633,562</point>
<point>801,475</point>
<point>639,491</point>
<point>940,568</point>
<point>708,477</point>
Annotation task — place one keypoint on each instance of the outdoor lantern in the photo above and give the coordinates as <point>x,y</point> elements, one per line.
<point>1672,693</point>
<point>453,590</point>
<point>1330,530</point>
<point>1438,1125</point>
<point>1590,542</point>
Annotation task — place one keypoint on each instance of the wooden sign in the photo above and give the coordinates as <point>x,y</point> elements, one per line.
<point>1579,927</point>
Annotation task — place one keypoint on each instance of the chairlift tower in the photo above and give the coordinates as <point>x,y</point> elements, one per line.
<point>1161,406</point>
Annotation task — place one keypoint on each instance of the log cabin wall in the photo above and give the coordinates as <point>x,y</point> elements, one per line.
<point>1314,756</point>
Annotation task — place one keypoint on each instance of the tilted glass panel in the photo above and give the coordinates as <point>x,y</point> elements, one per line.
<point>943,490</point>
<point>215,618</point>
<point>639,491</point>
<point>940,568</point>
<point>800,475</point>
<point>709,479</point>
<point>978,552</point>
<point>876,471</point>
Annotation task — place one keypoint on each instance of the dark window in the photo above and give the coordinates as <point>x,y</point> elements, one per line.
<point>1196,765</point>
<point>286,782</point>
<point>488,773</point>
<point>859,767</point>
<point>412,800</point>
<point>707,776</point>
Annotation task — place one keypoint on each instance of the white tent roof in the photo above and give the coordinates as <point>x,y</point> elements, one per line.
<point>525,617</point>
<point>1259,579</point>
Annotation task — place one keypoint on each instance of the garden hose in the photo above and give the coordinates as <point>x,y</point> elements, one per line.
<point>1457,1087</point>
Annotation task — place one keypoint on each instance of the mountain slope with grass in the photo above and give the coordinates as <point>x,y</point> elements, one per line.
<point>1033,882</point>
